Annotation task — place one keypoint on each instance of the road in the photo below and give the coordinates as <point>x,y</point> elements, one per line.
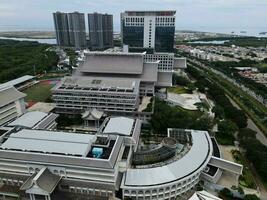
<point>260,135</point>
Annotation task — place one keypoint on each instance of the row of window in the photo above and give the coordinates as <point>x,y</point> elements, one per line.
<point>93,103</point>
<point>94,100</point>
<point>176,188</point>
<point>68,108</point>
<point>134,21</point>
<point>80,95</point>
<point>165,21</point>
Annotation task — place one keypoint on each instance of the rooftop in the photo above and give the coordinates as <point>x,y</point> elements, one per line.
<point>17,81</point>
<point>43,181</point>
<point>119,125</point>
<point>197,156</point>
<point>151,13</point>
<point>29,119</point>
<point>49,142</point>
<point>9,94</point>
<point>115,63</point>
<point>91,83</point>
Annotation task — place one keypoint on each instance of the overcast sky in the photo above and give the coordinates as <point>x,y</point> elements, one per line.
<point>191,14</point>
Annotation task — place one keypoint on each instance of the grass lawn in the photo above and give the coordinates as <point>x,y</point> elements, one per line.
<point>38,93</point>
<point>178,90</point>
<point>246,179</point>
<point>264,65</point>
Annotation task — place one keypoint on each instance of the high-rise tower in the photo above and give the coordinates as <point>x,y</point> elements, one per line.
<point>70,29</point>
<point>100,30</point>
<point>77,31</point>
<point>149,29</point>
<point>61,28</point>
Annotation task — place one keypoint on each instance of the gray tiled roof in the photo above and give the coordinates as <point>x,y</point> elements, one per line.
<point>9,94</point>
<point>50,142</point>
<point>17,81</point>
<point>29,119</point>
<point>114,63</point>
<point>44,180</point>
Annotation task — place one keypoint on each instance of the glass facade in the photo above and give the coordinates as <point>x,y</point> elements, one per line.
<point>164,39</point>
<point>133,36</point>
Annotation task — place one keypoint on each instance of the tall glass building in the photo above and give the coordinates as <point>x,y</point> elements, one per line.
<point>100,30</point>
<point>77,31</point>
<point>61,28</point>
<point>148,29</point>
<point>70,29</point>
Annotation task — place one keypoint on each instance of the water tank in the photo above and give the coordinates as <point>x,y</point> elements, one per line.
<point>97,152</point>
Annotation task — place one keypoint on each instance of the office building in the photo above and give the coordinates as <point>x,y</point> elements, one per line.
<point>12,104</point>
<point>77,29</point>
<point>70,29</point>
<point>151,30</point>
<point>62,29</point>
<point>100,30</point>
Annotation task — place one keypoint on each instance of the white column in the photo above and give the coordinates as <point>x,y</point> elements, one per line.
<point>149,26</point>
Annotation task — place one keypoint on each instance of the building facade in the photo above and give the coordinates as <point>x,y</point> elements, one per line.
<point>110,82</point>
<point>101,166</point>
<point>62,28</point>
<point>77,29</point>
<point>148,29</point>
<point>12,104</point>
<point>70,29</point>
<point>100,30</point>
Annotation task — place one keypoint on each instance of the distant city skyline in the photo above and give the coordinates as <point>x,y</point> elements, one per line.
<point>198,15</point>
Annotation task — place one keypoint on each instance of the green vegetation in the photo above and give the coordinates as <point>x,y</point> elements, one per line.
<point>39,92</point>
<point>149,107</point>
<point>180,80</point>
<point>166,116</point>
<point>179,90</point>
<point>64,121</point>
<point>246,179</point>
<point>226,131</point>
<point>18,58</point>
<point>256,111</point>
<point>228,68</point>
<point>255,151</point>
<point>262,67</point>
<point>225,107</point>
<point>251,197</point>
<point>226,194</point>
<point>72,56</point>
<point>238,41</point>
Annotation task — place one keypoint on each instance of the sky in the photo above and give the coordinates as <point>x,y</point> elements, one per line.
<point>200,15</point>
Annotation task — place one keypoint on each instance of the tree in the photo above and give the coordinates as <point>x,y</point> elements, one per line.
<point>251,197</point>
<point>203,123</point>
<point>218,111</point>
<point>246,133</point>
<point>226,131</point>
<point>226,194</point>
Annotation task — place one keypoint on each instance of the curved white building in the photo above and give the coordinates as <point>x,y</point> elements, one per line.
<point>175,177</point>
